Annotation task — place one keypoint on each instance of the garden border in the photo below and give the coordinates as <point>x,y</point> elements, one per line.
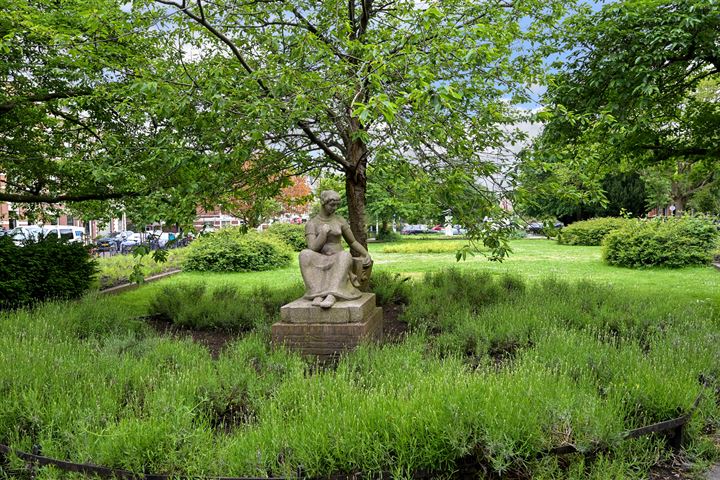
<point>130,286</point>
<point>674,425</point>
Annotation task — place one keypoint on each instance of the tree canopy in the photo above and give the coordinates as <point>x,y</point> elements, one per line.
<point>340,85</point>
<point>81,124</point>
<point>178,103</point>
<point>636,91</point>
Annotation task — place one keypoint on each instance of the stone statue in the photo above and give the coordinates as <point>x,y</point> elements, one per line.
<point>329,272</point>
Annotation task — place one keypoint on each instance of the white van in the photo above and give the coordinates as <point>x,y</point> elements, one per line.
<point>29,233</point>
<point>69,232</point>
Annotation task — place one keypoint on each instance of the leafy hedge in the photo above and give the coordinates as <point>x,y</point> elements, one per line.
<point>590,232</point>
<point>673,242</point>
<point>231,250</point>
<point>292,234</point>
<point>44,270</point>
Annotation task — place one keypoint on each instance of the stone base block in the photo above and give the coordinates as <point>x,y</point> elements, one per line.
<point>344,311</point>
<point>328,340</point>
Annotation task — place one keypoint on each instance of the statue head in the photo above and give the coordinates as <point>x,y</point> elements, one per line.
<point>327,195</point>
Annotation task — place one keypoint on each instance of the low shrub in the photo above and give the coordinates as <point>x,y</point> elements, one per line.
<point>49,269</point>
<point>590,232</point>
<point>671,242</point>
<point>231,250</point>
<point>292,234</point>
<point>388,236</point>
<point>193,305</point>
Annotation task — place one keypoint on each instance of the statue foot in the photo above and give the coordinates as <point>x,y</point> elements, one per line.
<point>317,301</point>
<point>328,302</point>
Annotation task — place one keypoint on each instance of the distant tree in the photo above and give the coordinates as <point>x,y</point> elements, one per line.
<point>639,90</point>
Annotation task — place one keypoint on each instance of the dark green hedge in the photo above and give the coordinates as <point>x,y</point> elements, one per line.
<point>292,234</point>
<point>44,270</point>
<point>672,242</point>
<point>590,232</point>
<point>231,250</point>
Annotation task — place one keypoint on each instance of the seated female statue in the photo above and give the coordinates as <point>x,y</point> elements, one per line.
<point>326,268</point>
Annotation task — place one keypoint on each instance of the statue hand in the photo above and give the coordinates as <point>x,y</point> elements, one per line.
<point>367,261</point>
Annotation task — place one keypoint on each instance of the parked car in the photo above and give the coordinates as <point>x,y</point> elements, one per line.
<point>24,234</point>
<point>158,239</point>
<point>536,227</point>
<point>130,241</point>
<point>108,243</point>
<point>67,232</point>
<point>413,229</point>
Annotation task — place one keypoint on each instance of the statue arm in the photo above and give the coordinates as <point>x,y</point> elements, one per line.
<point>354,244</point>
<point>315,240</point>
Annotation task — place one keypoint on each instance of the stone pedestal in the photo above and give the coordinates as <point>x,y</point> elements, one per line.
<point>326,333</point>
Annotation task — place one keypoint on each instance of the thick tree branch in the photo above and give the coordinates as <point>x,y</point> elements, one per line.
<point>40,98</point>
<point>28,198</point>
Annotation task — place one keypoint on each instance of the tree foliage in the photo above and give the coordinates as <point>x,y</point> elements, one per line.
<point>89,117</point>
<point>342,85</point>
<point>635,92</point>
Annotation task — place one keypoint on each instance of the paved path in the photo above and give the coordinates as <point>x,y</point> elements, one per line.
<point>714,474</point>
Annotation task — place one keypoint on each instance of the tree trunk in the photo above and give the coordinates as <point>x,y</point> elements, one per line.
<point>355,187</point>
<point>678,196</point>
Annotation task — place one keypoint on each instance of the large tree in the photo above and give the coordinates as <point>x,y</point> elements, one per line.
<point>89,116</point>
<point>339,85</point>
<point>635,92</point>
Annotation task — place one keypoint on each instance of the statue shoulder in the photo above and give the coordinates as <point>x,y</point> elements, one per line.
<point>311,226</point>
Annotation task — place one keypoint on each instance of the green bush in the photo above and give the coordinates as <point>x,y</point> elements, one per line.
<point>44,270</point>
<point>193,305</point>
<point>292,234</point>
<point>388,236</point>
<point>590,232</point>
<point>231,250</point>
<point>672,242</point>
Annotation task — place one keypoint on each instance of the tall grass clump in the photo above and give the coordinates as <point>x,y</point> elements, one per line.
<point>441,295</point>
<point>390,288</point>
<point>590,232</point>
<point>232,250</point>
<point>117,269</point>
<point>663,242</point>
<point>194,305</point>
<point>494,373</point>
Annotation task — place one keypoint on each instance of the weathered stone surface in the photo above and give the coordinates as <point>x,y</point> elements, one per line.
<point>327,340</point>
<point>348,311</point>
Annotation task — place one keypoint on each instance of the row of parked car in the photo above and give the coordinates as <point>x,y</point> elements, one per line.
<point>127,240</point>
<point>418,229</point>
<point>117,242</point>
<point>20,235</point>
<point>533,227</point>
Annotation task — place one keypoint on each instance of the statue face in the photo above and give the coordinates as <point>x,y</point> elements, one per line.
<point>331,205</point>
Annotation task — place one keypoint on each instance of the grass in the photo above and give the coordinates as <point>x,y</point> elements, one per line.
<point>117,269</point>
<point>503,361</point>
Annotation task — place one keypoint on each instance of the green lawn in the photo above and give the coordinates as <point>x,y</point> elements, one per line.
<point>532,259</point>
